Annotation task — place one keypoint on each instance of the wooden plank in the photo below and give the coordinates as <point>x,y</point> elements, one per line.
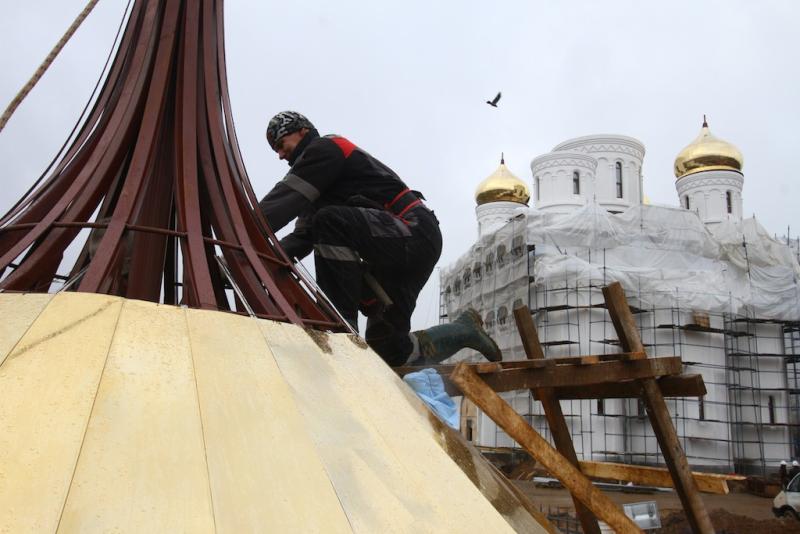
<point>556,376</point>
<point>657,410</point>
<point>484,367</point>
<point>655,476</point>
<point>670,386</point>
<point>553,412</point>
<point>144,442</point>
<point>515,426</point>
<point>582,375</point>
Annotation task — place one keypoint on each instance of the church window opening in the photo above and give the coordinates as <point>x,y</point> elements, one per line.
<point>489,263</point>
<point>576,183</point>
<point>502,316</point>
<point>467,278</point>
<point>619,179</point>
<point>517,246</point>
<point>771,409</point>
<point>640,408</point>
<point>489,321</point>
<point>476,271</point>
<point>686,201</point>
<point>536,189</point>
<point>729,201</point>
<point>501,256</point>
<point>457,287</point>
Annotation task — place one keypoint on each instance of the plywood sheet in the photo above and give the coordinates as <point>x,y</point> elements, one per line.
<point>18,311</point>
<point>386,481</point>
<point>48,384</point>
<point>266,475</point>
<point>142,467</point>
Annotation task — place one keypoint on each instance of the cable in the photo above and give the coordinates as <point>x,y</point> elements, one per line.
<point>45,64</point>
<point>80,117</point>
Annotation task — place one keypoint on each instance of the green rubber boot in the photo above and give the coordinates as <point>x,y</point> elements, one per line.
<point>440,342</point>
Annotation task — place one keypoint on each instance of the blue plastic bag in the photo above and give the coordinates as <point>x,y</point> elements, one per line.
<point>429,387</point>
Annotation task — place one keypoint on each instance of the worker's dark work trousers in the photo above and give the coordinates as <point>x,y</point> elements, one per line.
<point>401,254</point>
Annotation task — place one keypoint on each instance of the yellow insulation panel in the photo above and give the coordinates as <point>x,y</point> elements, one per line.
<point>128,416</point>
<point>48,384</point>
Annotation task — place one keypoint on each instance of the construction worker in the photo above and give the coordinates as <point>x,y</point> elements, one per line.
<point>353,210</point>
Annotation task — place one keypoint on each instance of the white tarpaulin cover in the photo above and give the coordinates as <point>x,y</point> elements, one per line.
<point>665,255</point>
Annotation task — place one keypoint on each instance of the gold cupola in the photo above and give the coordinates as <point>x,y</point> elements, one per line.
<point>708,153</point>
<point>502,186</point>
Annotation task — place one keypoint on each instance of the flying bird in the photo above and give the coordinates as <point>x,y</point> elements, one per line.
<point>495,100</point>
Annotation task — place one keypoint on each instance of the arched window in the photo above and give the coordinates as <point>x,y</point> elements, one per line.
<point>576,183</point>
<point>477,269</point>
<point>729,201</point>
<point>488,322</point>
<point>686,202</point>
<point>502,316</point>
<point>517,246</point>
<point>619,179</point>
<point>501,256</point>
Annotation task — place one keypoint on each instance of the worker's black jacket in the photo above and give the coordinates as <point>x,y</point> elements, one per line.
<point>326,171</point>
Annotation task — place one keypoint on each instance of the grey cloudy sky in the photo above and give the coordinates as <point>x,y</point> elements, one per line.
<point>407,81</point>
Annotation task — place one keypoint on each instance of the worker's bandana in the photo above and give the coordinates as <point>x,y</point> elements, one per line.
<point>283,124</point>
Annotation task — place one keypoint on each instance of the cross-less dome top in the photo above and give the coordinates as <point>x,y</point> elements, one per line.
<point>502,185</point>
<point>708,153</point>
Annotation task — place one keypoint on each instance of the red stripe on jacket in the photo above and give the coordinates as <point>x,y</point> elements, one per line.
<point>344,145</point>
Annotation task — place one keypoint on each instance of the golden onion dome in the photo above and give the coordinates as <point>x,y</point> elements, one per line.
<point>708,153</point>
<point>502,186</point>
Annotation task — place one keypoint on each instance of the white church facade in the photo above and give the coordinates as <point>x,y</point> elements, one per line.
<point>705,284</point>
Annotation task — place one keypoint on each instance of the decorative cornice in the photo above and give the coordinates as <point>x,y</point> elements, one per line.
<point>563,159</point>
<point>603,143</point>
<point>497,208</point>
<point>700,180</point>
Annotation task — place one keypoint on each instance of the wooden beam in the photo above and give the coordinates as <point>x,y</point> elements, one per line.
<point>655,476</point>
<point>571,375</point>
<point>553,412</point>
<point>515,426</point>
<point>493,367</point>
<point>657,410</point>
<point>670,386</point>
<point>582,375</point>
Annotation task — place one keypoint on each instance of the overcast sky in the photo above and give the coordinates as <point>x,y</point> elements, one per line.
<point>407,81</point>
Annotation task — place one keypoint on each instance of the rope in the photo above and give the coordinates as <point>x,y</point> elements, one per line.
<point>45,64</point>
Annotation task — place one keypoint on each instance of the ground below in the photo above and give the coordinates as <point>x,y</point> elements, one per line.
<point>735,513</point>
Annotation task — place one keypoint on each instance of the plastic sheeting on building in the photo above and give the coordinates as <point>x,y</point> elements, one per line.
<point>665,255</point>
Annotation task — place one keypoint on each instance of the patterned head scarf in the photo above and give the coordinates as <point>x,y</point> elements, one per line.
<point>283,124</point>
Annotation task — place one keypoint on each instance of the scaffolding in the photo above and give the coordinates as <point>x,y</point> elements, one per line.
<point>748,421</point>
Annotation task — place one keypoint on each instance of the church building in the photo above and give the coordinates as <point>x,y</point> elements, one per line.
<point>704,283</point>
